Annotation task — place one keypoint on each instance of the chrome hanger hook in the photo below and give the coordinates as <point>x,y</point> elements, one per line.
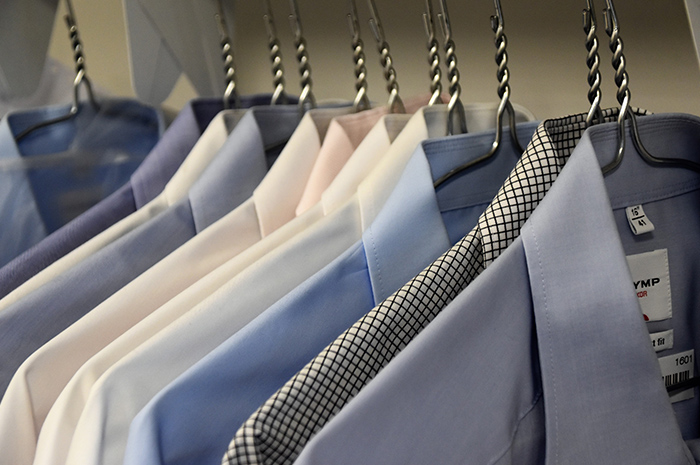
<point>306,98</point>
<point>612,28</point>
<point>504,104</point>
<point>230,93</point>
<point>279,95</point>
<point>433,54</point>
<point>395,102</point>
<point>593,62</point>
<point>455,107</point>
<point>361,98</point>
<point>503,74</point>
<point>81,77</point>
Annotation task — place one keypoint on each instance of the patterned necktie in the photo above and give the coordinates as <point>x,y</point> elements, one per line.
<point>279,429</point>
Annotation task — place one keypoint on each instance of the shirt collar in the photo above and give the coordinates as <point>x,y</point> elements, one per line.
<point>426,123</point>
<point>572,233</point>
<point>89,129</point>
<point>203,152</point>
<point>279,192</point>
<point>242,162</point>
<point>345,134</point>
<point>17,202</point>
<point>57,138</point>
<point>170,151</point>
<point>415,202</point>
<point>375,144</point>
<point>374,190</point>
<point>178,140</point>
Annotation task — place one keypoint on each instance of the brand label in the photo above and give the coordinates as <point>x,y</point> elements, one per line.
<point>676,369</point>
<point>650,275</point>
<point>638,221</point>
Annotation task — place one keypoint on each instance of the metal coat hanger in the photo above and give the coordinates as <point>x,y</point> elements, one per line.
<point>595,95</point>
<point>306,99</point>
<point>230,93</point>
<point>395,103</point>
<point>279,95</point>
<point>433,54</point>
<point>503,75</point>
<point>361,101</point>
<point>81,77</point>
<point>612,28</point>
<point>455,107</point>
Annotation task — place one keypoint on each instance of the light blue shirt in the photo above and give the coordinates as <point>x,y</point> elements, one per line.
<point>545,358</point>
<point>228,181</point>
<point>146,183</point>
<point>192,420</point>
<point>37,198</point>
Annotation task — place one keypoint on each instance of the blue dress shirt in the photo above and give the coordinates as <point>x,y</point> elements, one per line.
<point>546,358</point>
<point>145,184</point>
<point>192,419</point>
<point>39,195</point>
<point>229,180</point>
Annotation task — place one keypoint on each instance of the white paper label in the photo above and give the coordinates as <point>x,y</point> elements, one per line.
<point>652,283</point>
<point>638,221</point>
<point>662,340</point>
<point>678,368</point>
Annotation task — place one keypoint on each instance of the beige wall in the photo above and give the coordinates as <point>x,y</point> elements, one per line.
<point>546,51</point>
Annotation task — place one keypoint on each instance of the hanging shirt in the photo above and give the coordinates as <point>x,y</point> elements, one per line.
<point>356,356</point>
<point>55,173</point>
<point>214,320</point>
<point>191,420</point>
<point>560,368</point>
<point>145,184</point>
<point>26,325</point>
<point>205,149</point>
<point>58,360</point>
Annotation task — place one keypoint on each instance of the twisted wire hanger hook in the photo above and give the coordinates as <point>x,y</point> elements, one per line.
<point>433,54</point>
<point>81,77</point>
<point>279,95</point>
<point>375,23</point>
<point>230,93</point>
<point>306,98</point>
<point>612,28</point>
<point>455,107</point>
<point>503,75</point>
<point>593,62</point>
<point>497,24</point>
<point>361,101</point>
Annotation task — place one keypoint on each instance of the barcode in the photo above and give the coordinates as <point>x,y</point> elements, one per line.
<point>675,378</point>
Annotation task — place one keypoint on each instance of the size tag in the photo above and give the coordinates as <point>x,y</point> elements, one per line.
<point>662,340</point>
<point>652,283</point>
<point>676,369</point>
<point>638,221</point>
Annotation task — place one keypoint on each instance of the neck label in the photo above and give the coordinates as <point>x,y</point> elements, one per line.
<point>638,221</point>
